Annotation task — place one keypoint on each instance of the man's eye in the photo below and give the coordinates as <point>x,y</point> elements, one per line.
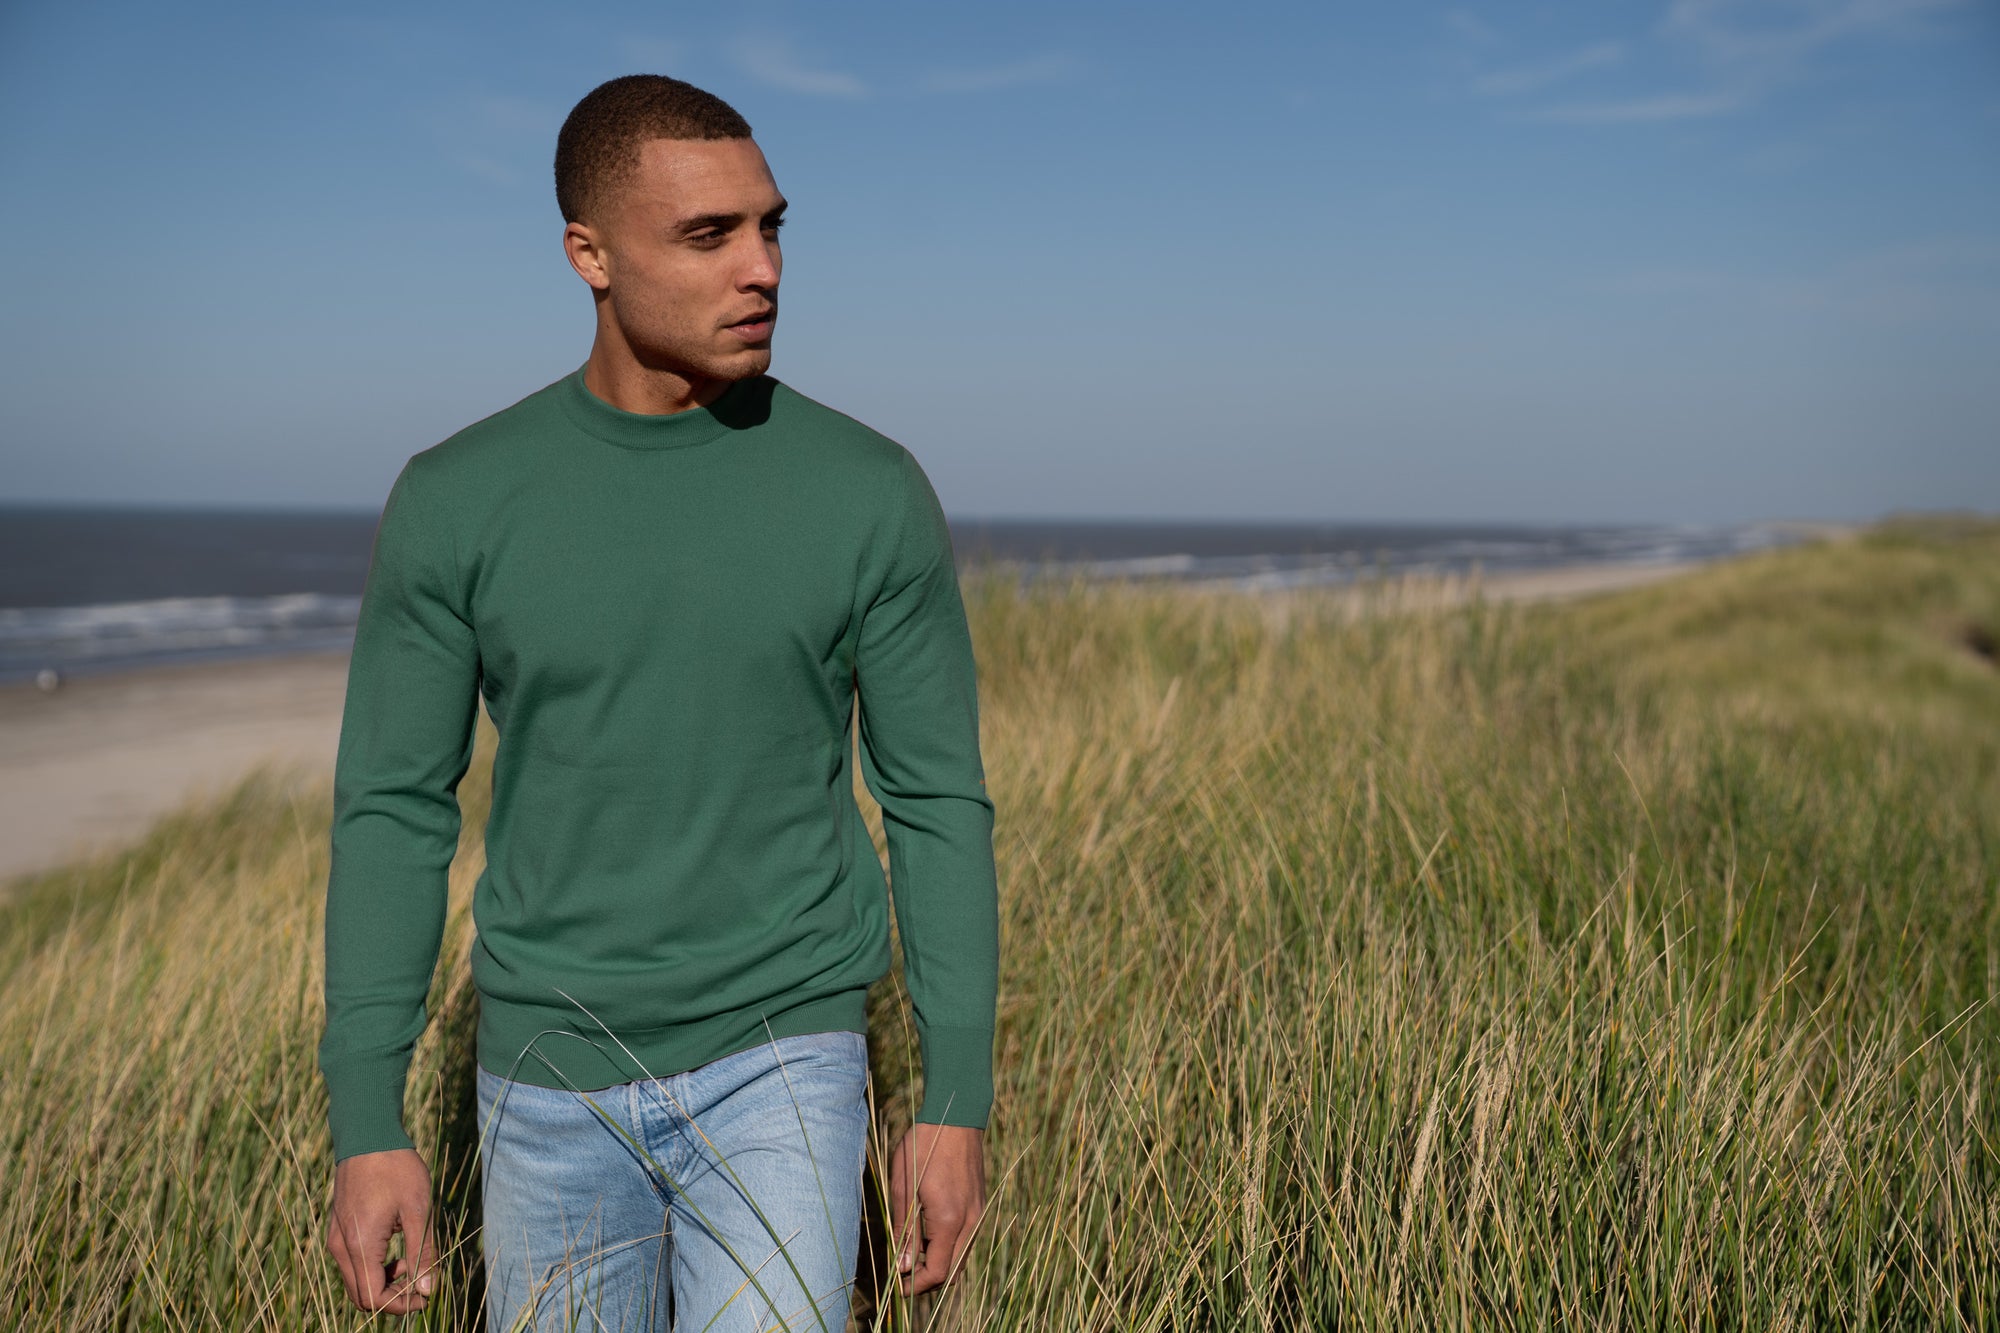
<point>771,227</point>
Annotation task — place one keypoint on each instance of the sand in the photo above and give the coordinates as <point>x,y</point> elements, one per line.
<point>91,765</point>
<point>88,767</point>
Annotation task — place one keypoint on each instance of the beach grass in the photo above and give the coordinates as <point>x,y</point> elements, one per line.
<point>1371,960</point>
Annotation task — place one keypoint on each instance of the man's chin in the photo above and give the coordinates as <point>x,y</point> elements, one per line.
<point>716,366</point>
<point>748,363</point>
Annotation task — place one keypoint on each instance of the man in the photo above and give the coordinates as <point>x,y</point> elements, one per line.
<point>672,578</point>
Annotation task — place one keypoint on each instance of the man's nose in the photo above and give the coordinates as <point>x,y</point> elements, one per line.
<point>761,265</point>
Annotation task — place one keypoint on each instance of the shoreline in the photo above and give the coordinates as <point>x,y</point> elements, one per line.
<point>87,768</point>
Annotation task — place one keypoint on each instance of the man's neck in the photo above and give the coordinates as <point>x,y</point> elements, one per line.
<point>617,378</point>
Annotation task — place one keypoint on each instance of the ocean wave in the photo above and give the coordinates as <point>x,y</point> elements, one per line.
<point>110,634</point>
<point>1444,555</point>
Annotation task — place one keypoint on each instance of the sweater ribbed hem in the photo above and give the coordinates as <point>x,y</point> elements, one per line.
<point>563,1048</point>
<point>365,1106</point>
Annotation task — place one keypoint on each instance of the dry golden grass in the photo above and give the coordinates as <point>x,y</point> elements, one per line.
<point>1621,964</point>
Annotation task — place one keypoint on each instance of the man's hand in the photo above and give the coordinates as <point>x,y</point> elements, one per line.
<point>376,1195</point>
<point>943,1169</point>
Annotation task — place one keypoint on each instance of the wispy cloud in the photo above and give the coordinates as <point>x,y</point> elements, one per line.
<point>1050,68</point>
<point>1769,37</point>
<point>1732,54</point>
<point>775,61</point>
<point>1672,106</point>
<point>1531,78</point>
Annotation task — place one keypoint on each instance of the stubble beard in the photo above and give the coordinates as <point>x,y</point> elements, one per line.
<point>706,365</point>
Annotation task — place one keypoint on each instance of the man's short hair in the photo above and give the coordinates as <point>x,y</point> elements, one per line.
<point>598,145</point>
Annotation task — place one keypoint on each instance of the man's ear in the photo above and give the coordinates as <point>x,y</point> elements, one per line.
<point>586,256</point>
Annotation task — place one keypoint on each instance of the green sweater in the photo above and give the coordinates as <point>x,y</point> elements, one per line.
<point>670,619</point>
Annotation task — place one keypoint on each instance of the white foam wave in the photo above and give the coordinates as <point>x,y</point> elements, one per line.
<point>112,632</point>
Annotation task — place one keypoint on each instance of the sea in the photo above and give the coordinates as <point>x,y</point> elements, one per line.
<point>86,590</point>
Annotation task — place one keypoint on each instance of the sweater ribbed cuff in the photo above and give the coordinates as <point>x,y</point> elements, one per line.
<point>365,1107</point>
<point>958,1076</point>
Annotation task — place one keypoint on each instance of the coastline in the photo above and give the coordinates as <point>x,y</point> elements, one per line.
<point>87,768</point>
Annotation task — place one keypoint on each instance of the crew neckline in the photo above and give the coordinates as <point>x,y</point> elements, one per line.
<point>645,430</point>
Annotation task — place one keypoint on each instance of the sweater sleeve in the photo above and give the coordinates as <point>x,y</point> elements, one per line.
<point>405,742</point>
<point>920,759</point>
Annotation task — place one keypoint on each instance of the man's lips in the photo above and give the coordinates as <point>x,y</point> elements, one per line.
<point>755,327</point>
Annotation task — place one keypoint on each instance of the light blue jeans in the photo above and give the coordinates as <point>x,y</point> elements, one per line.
<point>732,1191</point>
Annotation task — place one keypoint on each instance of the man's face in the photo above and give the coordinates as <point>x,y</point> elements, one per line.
<point>687,259</point>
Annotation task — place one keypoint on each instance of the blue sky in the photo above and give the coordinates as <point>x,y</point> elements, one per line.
<point>1708,260</point>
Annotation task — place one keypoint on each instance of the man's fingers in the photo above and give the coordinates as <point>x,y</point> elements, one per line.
<point>360,1257</point>
<point>947,1194</point>
<point>902,1233</point>
<point>373,1281</point>
<point>404,1285</point>
<point>424,1262</point>
<point>397,1291</point>
<point>368,1256</point>
<point>963,1245</point>
<point>375,1196</point>
<point>945,1235</point>
<point>336,1244</point>
<point>400,1295</point>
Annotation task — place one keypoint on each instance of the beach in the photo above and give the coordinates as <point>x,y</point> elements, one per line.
<point>89,766</point>
<point>86,768</point>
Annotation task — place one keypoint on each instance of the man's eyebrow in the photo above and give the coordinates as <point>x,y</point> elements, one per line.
<point>724,221</point>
